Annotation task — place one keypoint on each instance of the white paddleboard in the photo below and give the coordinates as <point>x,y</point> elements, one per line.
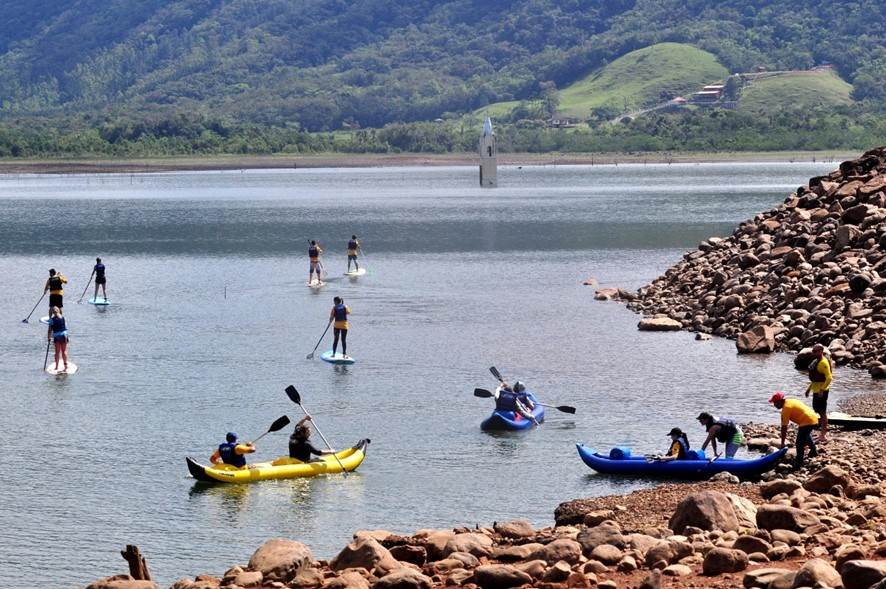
<point>316,284</point>
<point>45,320</point>
<point>100,302</point>
<point>51,369</point>
<point>355,273</point>
<point>337,359</point>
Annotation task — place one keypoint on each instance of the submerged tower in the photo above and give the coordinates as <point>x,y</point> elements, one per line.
<point>488,157</point>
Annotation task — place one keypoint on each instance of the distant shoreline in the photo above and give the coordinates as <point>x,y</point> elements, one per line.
<point>236,162</point>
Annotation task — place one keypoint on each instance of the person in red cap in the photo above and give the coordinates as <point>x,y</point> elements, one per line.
<point>806,420</point>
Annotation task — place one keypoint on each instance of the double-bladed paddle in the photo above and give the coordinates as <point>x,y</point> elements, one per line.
<point>484,394</point>
<point>278,424</point>
<point>293,395</point>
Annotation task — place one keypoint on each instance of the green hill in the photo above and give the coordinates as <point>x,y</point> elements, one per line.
<point>802,90</point>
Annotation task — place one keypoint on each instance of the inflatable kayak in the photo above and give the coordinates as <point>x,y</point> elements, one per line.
<point>620,461</point>
<point>853,423</point>
<point>281,468</point>
<point>511,420</point>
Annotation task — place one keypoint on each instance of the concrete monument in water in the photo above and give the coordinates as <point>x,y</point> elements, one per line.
<point>488,157</point>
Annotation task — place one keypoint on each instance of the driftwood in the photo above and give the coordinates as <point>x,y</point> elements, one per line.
<point>138,568</point>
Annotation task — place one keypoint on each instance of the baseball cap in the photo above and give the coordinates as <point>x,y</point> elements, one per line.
<point>776,396</point>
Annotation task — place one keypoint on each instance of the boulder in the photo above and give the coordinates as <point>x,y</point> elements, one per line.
<point>249,579</point>
<point>659,324</point>
<point>607,554</point>
<point>855,215</point>
<point>847,552</point>
<point>745,511</point>
<point>435,542</point>
<point>825,479</point>
<point>787,536</point>
<point>724,560</point>
<point>417,555</point>
<point>516,553</point>
<point>817,571</point>
<point>280,559</point>
<point>861,574</point>
<point>846,235</point>
<point>558,573</point>
<point>404,578</point>
<point>860,282</point>
<point>519,528</point>
<point>347,580</point>
<point>597,517</point>
<point>751,544</point>
<point>122,582</point>
<point>562,549</point>
<point>784,517</point>
<point>708,510</point>
<point>668,551</point>
<point>772,488</point>
<point>761,578</point>
<point>759,340</point>
<point>605,533</point>
<point>676,570</point>
<point>470,542</point>
<point>365,552</point>
<point>500,576</point>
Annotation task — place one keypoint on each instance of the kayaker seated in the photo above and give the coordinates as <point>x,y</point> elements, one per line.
<point>231,452</point>
<point>722,430</point>
<point>300,447</point>
<point>679,448</point>
<point>515,399</point>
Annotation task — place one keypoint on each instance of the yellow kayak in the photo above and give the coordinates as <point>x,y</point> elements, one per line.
<point>281,468</point>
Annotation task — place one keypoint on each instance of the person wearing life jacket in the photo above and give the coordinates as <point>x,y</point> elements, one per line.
<point>794,410</point>
<point>232,452</point>
<point>300,446</point>
<point>515,399</point>
<point>55,285</point>
<point>820,377</point>
<point>722,430</point>
<point>314,252</point>
<point>679,446</point>
<point>339,314</point>
<point>58,335</point>
<point>353,247</point>
<point>100,279</point>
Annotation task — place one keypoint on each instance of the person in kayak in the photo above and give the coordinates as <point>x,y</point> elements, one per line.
<point>58,335</point>
<point>54,284</point>
<point>806,420</point>
<point>339,314</point>
<point>300,446</point>
<point>232,452</point>
<point>353,247</point>
<point>515,399</point>
<point>679,446</point>
<point>721,430</point>
<point>100,279</point>
<point>820,377</point>
<point>314,252</point>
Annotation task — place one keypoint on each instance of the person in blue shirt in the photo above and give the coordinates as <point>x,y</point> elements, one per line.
<point>515,399</point>
<point>100,279</point>
<point>232,452</point>
<point>58,335</point>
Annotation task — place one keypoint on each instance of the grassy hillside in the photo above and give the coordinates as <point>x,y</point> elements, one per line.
<point>795,91</point>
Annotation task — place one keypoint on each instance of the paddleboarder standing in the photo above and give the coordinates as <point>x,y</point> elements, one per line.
<point>353,247</point>
<point>339,314</point>
<point>100,279</point>
<point>58,334</point>
<point>314,251</point>
<point>55,285</point>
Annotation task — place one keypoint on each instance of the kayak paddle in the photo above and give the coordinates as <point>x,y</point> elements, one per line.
<point>296,398</point>
<point>25,320</point>
<point>496,373</point>
<point>88,282</point>
<point>278,424</point>
<point>484,394</point>
<point>311,355</point>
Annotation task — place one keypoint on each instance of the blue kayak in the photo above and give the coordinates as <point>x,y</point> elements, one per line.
<point>511,420</point>
<point>620,461</point>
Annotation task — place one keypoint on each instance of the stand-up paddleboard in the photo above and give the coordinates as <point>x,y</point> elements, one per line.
<point>337,359</point>
<point>99,302</point>
<point>356,273</point>
<point>316,284</point>
<point>60,371</point>
<point>45,320</point>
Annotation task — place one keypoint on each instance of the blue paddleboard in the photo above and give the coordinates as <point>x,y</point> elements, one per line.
<point>99,302</point>
<point>337,359</point>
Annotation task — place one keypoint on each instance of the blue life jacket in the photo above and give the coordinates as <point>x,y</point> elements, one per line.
<point>58,325</point>
<point>230,456</point>
<point>99,270</point>
<point>313,252</point>
<point>507,401</point>
<point>684,449</point>
<point>341,313</point>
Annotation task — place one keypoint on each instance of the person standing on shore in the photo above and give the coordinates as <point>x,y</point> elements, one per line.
<point>794,410</point>
<point>58,334</point>
<point>721,430</point>
<point>820,377</point>
<point>353,247</point>
<point>100,279</point>
<point>339,314</point>
<point>55,285</point>
<point>314,252</point>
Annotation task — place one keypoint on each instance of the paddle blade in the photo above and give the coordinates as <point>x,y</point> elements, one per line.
<point>279,424</point>
<point>496,373</point>
<point>566,409</point>
<point>483,394</point>
<point>293,395</point>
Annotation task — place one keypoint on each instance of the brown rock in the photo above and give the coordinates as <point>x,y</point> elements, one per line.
<point>606,294</point>
<point>519,528</point>
<point>595,518</point>
<point>826,478</point>
<point>347,580</point>
<point>404,578</point>
<point>846,553</point>
<point>470,542</point>
<point>817,571</point>
<point>668,552</point>
<point>676,570</point>
<point>515,553</point>
<point>605,533</point>
<point>607,554</point>
<point>761,578</point>
<point>707,510</point>
<point>784,517</point>
<point>122,582</point>
<point>417,555</point>
<point>724,560</point>
<point>787,536</point>
<point>562,549</point>
<point>365,552</point>
<point>751,544</point>
<point>659,324</point>
<point>759,340</point>
<point>500,576</point>
<point>557,573</point>
<point>251,579</point>
<point>861,574</point>
<point>772,488</point>
<point>280,559</point>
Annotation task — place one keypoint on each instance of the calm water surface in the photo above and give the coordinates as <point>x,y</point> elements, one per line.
<point>211,320</point>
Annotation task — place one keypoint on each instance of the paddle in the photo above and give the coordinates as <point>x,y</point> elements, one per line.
<point>278,424</point>
<point>46,357</point>
<point>88,282</point>
<point>296,398</point>
<point>484,394</point>
<point>311,355</point>
<point>25,320</point>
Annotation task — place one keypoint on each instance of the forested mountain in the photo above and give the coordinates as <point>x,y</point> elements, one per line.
<point>324,64</point>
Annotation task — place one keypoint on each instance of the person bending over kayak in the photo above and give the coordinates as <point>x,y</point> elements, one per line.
<point>54,284</point>
<point>806,420</point>
<point>339,314</point>
<point>353,246</point>
<point>679,446</point>
<point>314,252</point>
<point>515,399</point>
<point>58,334</point>
<point>231,452</point>
<point>300,446</point>
<point>100,279</point>
<point>721,430</point>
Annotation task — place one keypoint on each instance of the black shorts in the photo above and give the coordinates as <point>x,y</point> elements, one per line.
<point>101,280</point>
<point>56,300</point>
<point>820,403</point>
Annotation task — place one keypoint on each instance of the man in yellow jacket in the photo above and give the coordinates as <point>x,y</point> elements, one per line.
<point>820,377</point>
<point>794,410</point>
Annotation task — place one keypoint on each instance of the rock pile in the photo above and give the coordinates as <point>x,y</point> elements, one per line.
<point>808,271</point>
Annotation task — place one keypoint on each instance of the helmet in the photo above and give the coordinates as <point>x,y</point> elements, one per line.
<point>231,437</point>
<point>519,387</point>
